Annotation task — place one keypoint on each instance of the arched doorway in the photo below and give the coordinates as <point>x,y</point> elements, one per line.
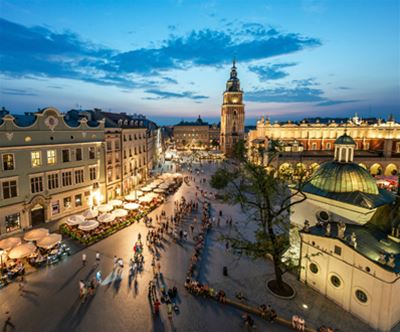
<point>37,215</point>
<point>391,169</point>
<point>376,169</point>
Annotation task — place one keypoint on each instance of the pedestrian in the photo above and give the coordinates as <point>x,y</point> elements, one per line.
<point>83,259</point>
<point>8,322</point>
<point>98,276</point>
<point>98,257</point>
<point>115,261</point>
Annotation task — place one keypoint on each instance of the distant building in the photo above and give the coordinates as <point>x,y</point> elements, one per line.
<point>51,167</point>
<point>196,135</point>
<point>308,144</point>
<point>232,114</point>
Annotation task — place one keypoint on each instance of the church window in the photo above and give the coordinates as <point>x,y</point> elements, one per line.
<point>335,281</point>
<point>338,250</point>
<point>361,296</point>
<point>314,268</point>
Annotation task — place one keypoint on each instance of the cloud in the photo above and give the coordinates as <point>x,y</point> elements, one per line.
<point>298,94</point>
<point>17,92</point>
<point>41,52</point>
<point>337,102</point>
<point>161,94</point>
<point>271,72</point>
<point>170,80</point>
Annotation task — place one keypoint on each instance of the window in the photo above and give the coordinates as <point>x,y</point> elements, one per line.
<point>116,145</point>
<point>92,152</point>
<point>52,181</point>
<point>66,178</point>
<point>117,157</point>
<point>65,156</point>
<point>8,162</point>
<point>314,146</point>
<point>397,147</point>
<point>55,208</point>
<point>314,268</point>
<point>79,176</point>
<point>13,222</point>
<point>78,154</point>
<point>335,281</point>
<point>36,184</point>
<point>51,157</point>
<point>361,296</point>
<point>109,175</point>
<point>366,147</point>
<point>338,250</point>
<point>92,173</point>
<point>36,158</point>
<point>328,146</point>
<point>67,202</point>
<point>10,189</point>
<point>78,200</point>
<point>109,146</point>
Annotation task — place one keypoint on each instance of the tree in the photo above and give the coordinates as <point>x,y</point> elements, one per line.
<point>267,200</point>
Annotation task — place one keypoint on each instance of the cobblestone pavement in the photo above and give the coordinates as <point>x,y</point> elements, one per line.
<point>51,302</point>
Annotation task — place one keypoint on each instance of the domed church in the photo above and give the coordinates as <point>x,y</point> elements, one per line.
<point>350,239</point>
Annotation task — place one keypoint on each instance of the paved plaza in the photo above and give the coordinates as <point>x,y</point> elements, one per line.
<point>51,301</point>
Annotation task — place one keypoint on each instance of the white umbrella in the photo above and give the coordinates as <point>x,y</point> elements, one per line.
<point>159,190</point>
<point>88,225</point>
<point>131,206</point>
<point>105,208</point>
<point>49,241</point>
<point>21,251</point>
<point>90,214</point>
<point>115,202</point>
<point>106,217</point>
<point>139,193</point>
<point>148,198</point>
<point>130,197</point>
<point>147,189</point>
<point>9,243</point>
<point>118,213</point>
<point>75,219</point>
<point>36,234</point>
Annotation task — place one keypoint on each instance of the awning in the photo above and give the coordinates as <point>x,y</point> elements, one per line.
<point>88,225</point>
<point>36,234</point>
<point>106,217</point>
<point>21,251</point>
<point>9,243</point>
<point>131,206</point>
<point>118,213</point>
<point>105,208</point>
<point>49,241</point>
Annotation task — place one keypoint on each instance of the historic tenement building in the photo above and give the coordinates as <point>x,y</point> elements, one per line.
<point>232,114</point>
<point>51,167</point>
<point>308,144</point>
<point>195,135</point>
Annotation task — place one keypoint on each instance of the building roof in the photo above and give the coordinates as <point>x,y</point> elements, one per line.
<point>340,177</point>
<point>371,242</point>
<point>198,122</point>
<point>345,139</point>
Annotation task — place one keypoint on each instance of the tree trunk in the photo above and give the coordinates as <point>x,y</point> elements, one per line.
<point>278,272</point>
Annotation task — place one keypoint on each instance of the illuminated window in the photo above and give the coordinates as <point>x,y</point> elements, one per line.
<point>13,222</point>
<point>8,162</point>
<point>78,200</point>
<point>51,157</point>
<point>67,202</point>
<point>36,158</point>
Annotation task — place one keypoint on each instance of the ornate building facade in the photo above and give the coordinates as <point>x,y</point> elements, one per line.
<point>308,144</point>
<point>232,114</point>
<point>50,167</point>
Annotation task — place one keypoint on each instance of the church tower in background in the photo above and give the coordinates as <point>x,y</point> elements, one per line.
<point>232,114</point>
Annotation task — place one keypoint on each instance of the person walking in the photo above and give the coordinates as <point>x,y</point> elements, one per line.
<point>97,258</point>
<point>8,323</point>
<point>84,259</point>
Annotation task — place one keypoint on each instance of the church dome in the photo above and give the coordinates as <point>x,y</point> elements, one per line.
<point>338,177</point>
<point>345,139</point>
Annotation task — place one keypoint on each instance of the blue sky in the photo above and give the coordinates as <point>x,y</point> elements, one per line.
<point>170,59</point>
